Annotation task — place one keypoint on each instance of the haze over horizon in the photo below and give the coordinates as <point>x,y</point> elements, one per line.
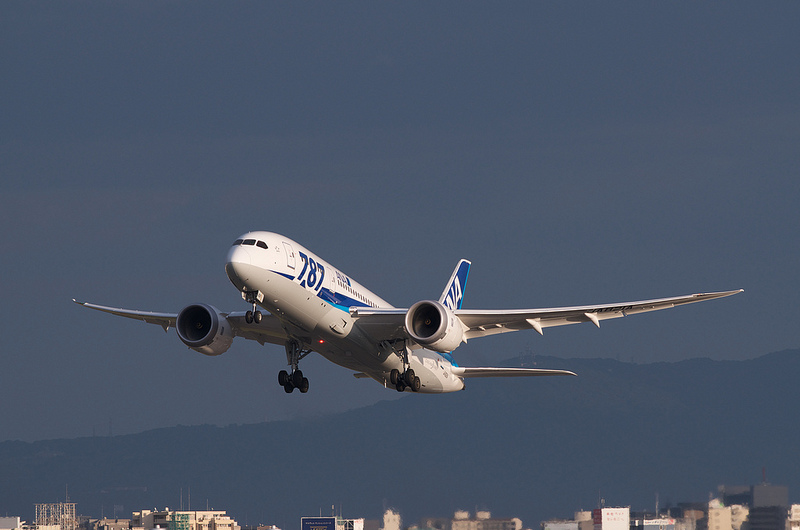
<point>576,153</point>
<point>621,431</point>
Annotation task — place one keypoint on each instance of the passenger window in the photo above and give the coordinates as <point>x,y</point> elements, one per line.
<point>261,244</point>
<point>249,242</point>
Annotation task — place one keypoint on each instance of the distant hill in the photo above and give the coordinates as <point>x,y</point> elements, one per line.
<point>530,448</point>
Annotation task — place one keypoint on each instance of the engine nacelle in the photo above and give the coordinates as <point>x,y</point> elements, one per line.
<point>433,325</point>
<point>203,328</point>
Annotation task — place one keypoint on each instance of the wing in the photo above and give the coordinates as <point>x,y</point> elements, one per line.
<point>491,322</point>
<point>268,330</point>
<point>165,320</point>
<point>387,324</point>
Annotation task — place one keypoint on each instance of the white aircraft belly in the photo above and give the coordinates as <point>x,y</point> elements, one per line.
<point>296,305</point>
<point>312,320</point>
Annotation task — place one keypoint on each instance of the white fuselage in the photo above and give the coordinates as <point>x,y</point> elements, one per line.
<point>312,299</point>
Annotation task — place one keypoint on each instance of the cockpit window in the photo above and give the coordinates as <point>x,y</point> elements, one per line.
<point>250,242</point>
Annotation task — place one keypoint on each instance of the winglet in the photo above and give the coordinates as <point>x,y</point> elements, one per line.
<point>453,294</point>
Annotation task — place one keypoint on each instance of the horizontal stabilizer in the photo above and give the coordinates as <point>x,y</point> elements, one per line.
<point>462,371</point>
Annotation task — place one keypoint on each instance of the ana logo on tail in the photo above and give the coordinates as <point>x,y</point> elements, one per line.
<point>453,294</point>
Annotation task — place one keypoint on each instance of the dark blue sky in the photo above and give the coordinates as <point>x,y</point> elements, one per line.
<point>575,152</point>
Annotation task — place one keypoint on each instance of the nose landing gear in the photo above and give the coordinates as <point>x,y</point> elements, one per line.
<point>253,316</point>
<point>253,297</point>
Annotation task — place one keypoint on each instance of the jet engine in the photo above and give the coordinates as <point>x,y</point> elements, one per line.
<point>433,325</point>
<point>203,328</point>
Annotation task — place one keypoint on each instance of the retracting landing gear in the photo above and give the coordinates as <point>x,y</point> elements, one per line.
<point>290,381</point>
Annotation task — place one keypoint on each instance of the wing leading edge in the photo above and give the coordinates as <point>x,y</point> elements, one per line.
<point>268,330</point>
<point>481,323</point>
<point>165,320</point>
<point>385,324</point>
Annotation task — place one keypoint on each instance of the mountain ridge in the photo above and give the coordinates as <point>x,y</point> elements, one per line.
<point>528,448</point>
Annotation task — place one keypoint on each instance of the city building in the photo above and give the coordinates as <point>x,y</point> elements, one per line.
<point>10,523</point>
<point>726,517</point>
<point>331,523</point>
<point>653,523</point>
<point>733,495</point>
<point>392,520</point>
<point>107,524</point>
<point>437,523</point>
<point>56,516</point>
<point>623,518</point>
<point>560,524</point>
<point>769,507</point>
<point>612,518</point>
<point>483,521</point>
<point>794,518</point>
<point>183,520</point>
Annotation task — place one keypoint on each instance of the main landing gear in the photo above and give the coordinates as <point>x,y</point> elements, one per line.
<point>294,380</point>
<point>290,381</point>
<point>406,379</point>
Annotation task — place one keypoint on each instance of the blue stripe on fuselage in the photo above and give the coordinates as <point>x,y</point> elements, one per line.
<point>288,276</point>
<point>339,301</point>
<point>344,303</point>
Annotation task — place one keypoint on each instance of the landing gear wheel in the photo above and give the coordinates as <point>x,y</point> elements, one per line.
<point>294,352</point>
<point>257,317</point>
<point>400,386</point>
<point>416,385</point>
<point>248,317</point>
<point>394,376</point>
<point>408,377</point>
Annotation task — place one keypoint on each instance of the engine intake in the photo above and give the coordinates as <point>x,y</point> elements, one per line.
<point>433,325</point>
<point>203,328</point>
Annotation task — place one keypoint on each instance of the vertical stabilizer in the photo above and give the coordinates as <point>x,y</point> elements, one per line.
<point>453,294</point>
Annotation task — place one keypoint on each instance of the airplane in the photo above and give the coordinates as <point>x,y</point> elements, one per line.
<point>311,306</point>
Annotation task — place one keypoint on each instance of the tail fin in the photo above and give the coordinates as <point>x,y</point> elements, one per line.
<point>453,294</point>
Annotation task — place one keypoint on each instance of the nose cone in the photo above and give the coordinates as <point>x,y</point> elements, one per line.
<point>237,266</point>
